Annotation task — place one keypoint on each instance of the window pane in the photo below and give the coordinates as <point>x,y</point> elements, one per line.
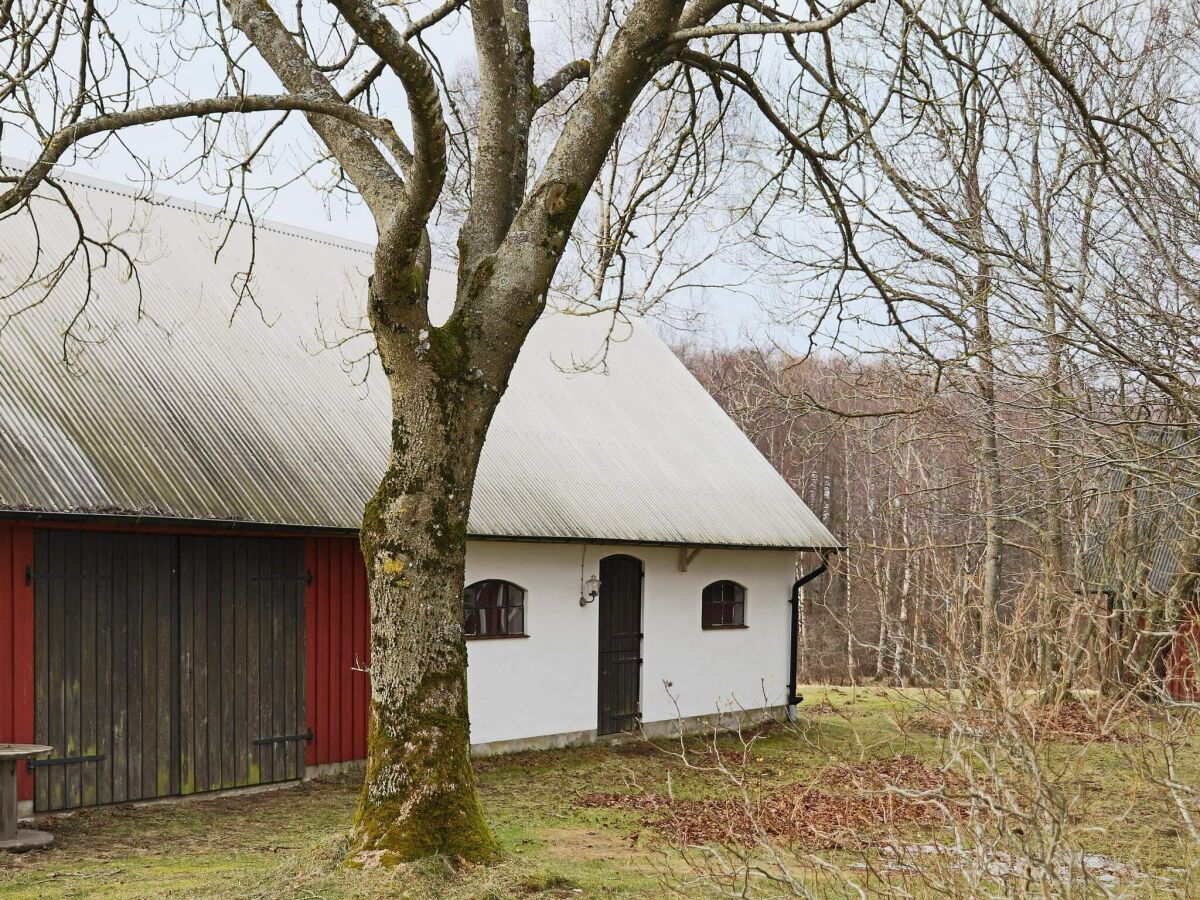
<point>492,608</point>
<point>495,621</point>
<point>723,603</point>
<point>490,593</point>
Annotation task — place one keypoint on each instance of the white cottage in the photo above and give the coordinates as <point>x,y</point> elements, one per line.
<point>181,593</point>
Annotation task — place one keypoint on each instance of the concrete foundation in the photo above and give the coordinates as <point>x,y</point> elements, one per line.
<point>327,770</point>
<point>666,729</point>
<point>26,839</point>
<point>30,815</point>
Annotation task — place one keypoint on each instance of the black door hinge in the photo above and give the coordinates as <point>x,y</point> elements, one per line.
<point>32,764</point>
<point>279,739</point>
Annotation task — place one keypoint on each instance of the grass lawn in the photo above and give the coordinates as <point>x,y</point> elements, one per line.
<point>567,831</point>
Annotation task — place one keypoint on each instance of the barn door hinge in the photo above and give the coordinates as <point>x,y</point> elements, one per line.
<point>307,577</point>
<point>279,739</point>
<point>31,576</point>
<point>63,761</point>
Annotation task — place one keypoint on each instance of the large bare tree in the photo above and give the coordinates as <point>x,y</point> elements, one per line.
<point>511,155</point>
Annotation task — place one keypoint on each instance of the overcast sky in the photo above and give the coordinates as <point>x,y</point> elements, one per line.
<point>730,313</point>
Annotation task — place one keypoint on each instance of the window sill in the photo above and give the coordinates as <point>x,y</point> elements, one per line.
<point>494,637</point>
<point>722,627</point>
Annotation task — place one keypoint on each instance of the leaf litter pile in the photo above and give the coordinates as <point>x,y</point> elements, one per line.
<point>868,797</point>
<point>1076,723</point>
<point>1071,722</point>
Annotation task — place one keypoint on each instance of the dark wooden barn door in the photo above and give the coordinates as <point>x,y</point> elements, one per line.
<point>166,664</point>
<point>241,661</point>
<point>620,644</point>
<point>106,682</point>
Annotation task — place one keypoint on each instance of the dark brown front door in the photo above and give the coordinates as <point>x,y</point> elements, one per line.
<point>620,644</point>
<point>166,664</point>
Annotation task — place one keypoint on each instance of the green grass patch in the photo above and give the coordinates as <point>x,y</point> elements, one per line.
<point>289,842</point>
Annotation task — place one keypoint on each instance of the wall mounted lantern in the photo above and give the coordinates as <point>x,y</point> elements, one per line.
<point>591,590</point>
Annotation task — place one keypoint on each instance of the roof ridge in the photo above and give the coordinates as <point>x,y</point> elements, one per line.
<point>182,204</point>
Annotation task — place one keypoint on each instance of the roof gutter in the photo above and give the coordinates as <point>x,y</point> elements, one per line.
<point>129,520</point>
<point>182,522</point>
<point>793,698</point>
<point>644,542</point>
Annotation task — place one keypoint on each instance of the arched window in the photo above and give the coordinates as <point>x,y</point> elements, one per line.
<point>723,605</point>
<point>493,609</point>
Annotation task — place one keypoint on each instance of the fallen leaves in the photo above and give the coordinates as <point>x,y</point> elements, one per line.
<point>1070,722</point>
<point>1079,724</point>
<point>824,708</point>
<point>869,797</point>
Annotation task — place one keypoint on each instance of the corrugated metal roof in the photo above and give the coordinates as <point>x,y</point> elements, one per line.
<point>1146,517</point>
<point>184,410</point>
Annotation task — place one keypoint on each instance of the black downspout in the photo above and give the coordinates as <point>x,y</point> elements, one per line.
<point>792,697</point>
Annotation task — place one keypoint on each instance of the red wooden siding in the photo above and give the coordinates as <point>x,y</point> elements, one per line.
<point>16,644</point>
<point>1182,683</point>
<point>338,621</point>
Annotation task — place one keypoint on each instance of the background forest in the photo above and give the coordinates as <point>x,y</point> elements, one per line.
<point>982,370</point>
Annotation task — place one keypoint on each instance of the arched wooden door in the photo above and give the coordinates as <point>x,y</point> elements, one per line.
<point>620,690</point>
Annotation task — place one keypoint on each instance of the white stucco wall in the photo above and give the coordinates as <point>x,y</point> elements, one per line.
<point>546,684</point>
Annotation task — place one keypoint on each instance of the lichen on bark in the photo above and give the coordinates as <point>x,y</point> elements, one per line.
<point>419,796</point>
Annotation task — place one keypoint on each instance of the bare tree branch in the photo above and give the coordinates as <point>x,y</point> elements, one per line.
<point>793,27</point>
<point>558,82</point>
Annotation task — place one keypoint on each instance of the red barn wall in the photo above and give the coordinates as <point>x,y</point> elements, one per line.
<point>338,650</point>
<point>16,644</point>
<point>1182,683</point>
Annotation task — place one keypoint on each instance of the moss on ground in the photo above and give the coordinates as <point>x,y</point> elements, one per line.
<point>290,842</point>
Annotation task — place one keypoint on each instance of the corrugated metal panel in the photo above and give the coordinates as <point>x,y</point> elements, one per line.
<point>176,407</point>
<point>1145,518</point>
<point>638,451</point>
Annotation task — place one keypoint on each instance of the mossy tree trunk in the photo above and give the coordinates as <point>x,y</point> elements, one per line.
<point>419,796</point>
